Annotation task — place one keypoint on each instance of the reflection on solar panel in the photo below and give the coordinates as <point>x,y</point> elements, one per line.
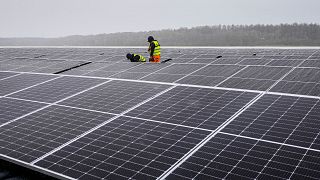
<point>206,114</point>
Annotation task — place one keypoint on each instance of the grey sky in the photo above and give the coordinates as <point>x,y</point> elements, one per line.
<point>54,18</point>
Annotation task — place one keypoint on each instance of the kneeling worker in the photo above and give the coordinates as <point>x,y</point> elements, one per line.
<point>154,50</point>
<point>136,58</point>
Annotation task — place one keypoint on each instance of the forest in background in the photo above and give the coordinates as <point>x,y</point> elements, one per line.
<point>217,35</point>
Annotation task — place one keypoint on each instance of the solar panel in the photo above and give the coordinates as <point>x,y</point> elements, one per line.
<point>195,107</point>
<point>180,69</point>
<point>300,81</point>
<point>129,75</point>
<point>198,117</point>
<point>119,66</point>
<point>21,81</point>
<point>148,67</point>
<point>159,77</point>
<point>6,74</point>
<point>57,89</point>
<point>201,80</point>
<point>12,108</point>
<point>284,62</point>
<point>115,96</point>
<point>256,77</point>
<point>311,63</point>
<point>124,148</point>
<point>37,134</point>
<point>283,119</point>
<point>225,60</point>
<point>253,61</point>
<point>232,157</point>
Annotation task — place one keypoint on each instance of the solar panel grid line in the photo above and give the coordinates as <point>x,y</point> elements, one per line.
<point>9,76</point>
<point>292,69</point>
<point>36,168</point>
<point>61,105</point>
<point>220,88</point>
<point>273,142</point>
<point>230,76</point>
<point>128,116</point>
<point>74,139</point>
<point>159,137</point>
<point>265,134</point>
<point>135,139</point>
<point>309,148</point>
<point>191,73</point>
<point>208,138</point>
<point>241,158</point>
<point>189,85</point>
<point>261,172</point>
<point>90,71</point>
<point>126,69</point>
<point>155,71</point>
<point>223,150</point>
<point>28,100</point>
<point>48,105</point>
<point>32,86</point>
<point>100,125</point>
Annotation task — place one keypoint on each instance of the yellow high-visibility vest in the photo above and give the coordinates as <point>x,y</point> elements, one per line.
<point>141,59</point>
<point>157,48</point>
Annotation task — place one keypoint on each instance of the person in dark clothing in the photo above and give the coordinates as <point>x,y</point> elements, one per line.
<point>154,50</point>
<point>136,58</point>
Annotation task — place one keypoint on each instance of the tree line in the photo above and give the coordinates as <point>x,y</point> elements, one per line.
<point>219,35</point>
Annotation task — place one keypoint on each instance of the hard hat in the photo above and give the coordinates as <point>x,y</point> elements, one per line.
<point>150,39</point>
<point>129,55</point>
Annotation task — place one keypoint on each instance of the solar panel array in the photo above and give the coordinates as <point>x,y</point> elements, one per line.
<point>76,113</point>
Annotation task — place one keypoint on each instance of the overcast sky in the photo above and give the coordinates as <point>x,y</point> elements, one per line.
<point>56,18</point>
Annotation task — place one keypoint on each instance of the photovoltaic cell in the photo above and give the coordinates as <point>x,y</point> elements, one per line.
<point>304,81</point>
<point>158,77</point>
<point>148,67</point>
<point>253,84</point>
<point>99,73</point>
<point>201,80</point>
<point>282,119</point>
<point>120,66</point>
<point>124,148</point>
<point>227,61</point>
<point>37,134</point>
<point>202,60</point>
<point>129,75</point>
<point>219,70</point>
<point>22,81</point>
<point>255,77</point>
<point>231,157</point>
<point>311,63</point>
<point>11,108</point>
<point>115,96</point>
<point>57,89</point>
<point>284,62</point>
<point>195,107</point>
<point>253,61</point>
<point>180,69</point>
<point>263,72</point>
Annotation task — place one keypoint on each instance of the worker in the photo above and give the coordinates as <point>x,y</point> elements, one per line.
<point>154,50</point>
<point>136,58</point>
